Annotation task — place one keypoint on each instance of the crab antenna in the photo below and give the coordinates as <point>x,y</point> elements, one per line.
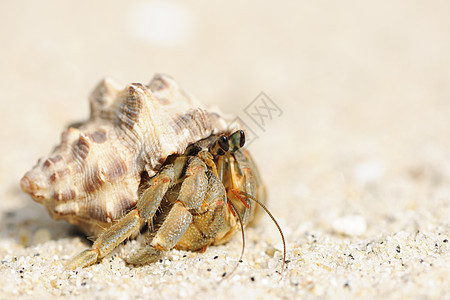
<point>274,220</point>
<point>243,236</point>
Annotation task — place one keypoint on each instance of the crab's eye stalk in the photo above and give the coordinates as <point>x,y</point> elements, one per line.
<point>237,140</point>
<point>221,146</point>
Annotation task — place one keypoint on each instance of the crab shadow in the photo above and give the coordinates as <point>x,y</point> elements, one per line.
<point>28,223</point>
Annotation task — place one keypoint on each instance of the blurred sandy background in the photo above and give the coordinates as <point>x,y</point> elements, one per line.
<point>357,165</point>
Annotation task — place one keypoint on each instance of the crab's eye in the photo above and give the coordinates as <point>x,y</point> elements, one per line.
<point>236,140</point>
<point>242,138</point>
<point>223,143</point>
<point>220,146</point>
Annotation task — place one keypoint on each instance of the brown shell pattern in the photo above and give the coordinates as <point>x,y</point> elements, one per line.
<point>91,179</point>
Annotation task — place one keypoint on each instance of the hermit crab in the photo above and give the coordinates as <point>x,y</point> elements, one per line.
<point>149,159</point>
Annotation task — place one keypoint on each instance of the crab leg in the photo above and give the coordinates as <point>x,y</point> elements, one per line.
<point>108,240</point>
<point>206,225</point>
<point>130,223</point>
<point>190,198</point>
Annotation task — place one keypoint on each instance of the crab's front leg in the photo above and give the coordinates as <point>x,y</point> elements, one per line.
<point>129,224</point>
<point>190,199</point>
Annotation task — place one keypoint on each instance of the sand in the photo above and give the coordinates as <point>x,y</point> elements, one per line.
<point>355,152</point>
